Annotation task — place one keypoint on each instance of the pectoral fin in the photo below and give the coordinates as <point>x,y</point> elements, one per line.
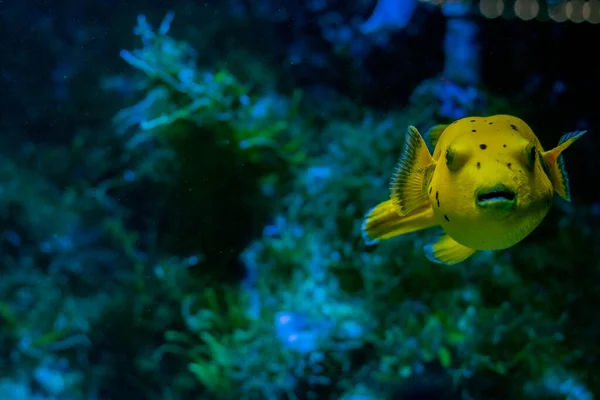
<point>413,174</point>
<point>556,164</point>
<point>447,251</point>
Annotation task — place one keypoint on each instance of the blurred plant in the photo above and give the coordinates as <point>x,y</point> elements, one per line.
<point>209,125</point>
<point>176,89</point>
<point>50,254</point>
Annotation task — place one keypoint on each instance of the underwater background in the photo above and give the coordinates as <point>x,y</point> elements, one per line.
<point>182,187</point>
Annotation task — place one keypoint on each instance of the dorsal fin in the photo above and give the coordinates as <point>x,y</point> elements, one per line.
<point>434,135</point>
<point>413,174</point>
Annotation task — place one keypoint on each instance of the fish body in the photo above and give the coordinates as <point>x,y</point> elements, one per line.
<point>488,184</point>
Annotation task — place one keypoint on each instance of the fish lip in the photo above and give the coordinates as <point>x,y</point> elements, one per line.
<point>498,196</point>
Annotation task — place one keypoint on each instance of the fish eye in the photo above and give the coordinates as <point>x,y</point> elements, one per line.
<point>545,166</point>
<point>449,157</point>
<point>531,155</point>
<point>456,157</point>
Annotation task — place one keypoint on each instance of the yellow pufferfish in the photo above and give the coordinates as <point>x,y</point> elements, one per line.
<point>488,184</point>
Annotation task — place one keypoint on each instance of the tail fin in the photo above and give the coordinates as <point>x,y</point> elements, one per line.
<point>556,164</point>
<point>383,221</point>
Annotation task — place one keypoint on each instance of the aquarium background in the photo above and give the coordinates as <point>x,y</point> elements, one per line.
<point>182,185</point>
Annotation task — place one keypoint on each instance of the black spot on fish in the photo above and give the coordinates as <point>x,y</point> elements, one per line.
<point>474,130</point>
<point>514,128</point>
<point>438,203</point>
<point>478,165</point>
<point>490,123</point>
<point>472,120</point>
<point>509,164</point>
<point>430,189</point>
<point>483,146</point>
<point>447,219</point>
<point>503,145</point>
<point>437,198</point>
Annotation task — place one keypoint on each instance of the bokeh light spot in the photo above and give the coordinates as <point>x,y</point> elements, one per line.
<point>591,11</point>
<point>491,8</point>
<point>558,13</point>
<point>527,9</point>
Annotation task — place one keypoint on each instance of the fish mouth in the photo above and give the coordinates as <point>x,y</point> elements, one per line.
<point>499,197</point>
